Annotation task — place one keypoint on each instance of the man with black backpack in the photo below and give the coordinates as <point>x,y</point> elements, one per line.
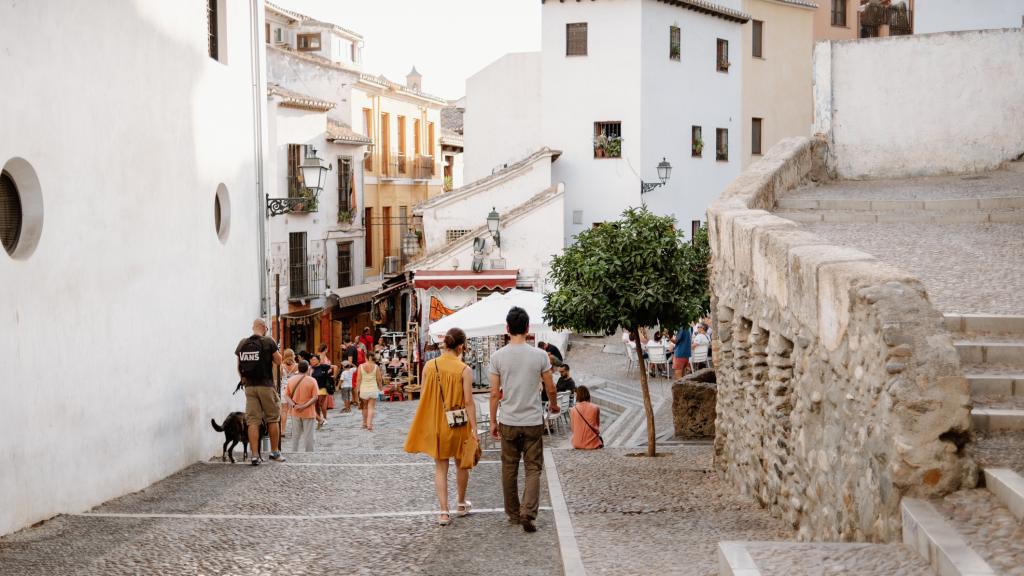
<point>257,355</point>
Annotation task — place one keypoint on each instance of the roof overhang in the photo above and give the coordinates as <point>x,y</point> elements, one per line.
<point>485,280</point>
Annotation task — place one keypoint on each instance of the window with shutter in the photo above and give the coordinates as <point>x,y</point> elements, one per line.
<point>344,264</point>
<point>696,142</point>
<point>368,226</point>
<point>723,56</point>
<point>345,203</point>
<point>211,29</point>
<point>758,32</point>
<point>11,217</point>
<point>722,144</point>
<point>839,13</point>
<point>576,39</point>
<point>755,136</point>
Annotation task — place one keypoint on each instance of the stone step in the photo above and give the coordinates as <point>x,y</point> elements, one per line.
<point>928,533</point>
<point>990,350</point>
<point>987,323</point>
<point>984,419</point>
<point>996,384</point>
<point>1000,449</point>
<point>896,216</point>
<point>1008,487</point>
<point>935,205</point>
<point>806,558</point>
<point>986,526</point>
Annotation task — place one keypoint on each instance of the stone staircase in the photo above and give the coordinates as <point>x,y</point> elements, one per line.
<point>972,532</point>
<point>938,211</point>
<point>629,429</point>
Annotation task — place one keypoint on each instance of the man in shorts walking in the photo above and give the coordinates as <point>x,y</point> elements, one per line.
<point>516,371</point>
<point>257,356</point>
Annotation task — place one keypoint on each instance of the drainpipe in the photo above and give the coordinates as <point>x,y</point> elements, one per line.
<point>257,100</point>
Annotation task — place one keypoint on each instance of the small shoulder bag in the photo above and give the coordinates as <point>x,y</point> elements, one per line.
<point>457,417</point>
<point>596,433</point>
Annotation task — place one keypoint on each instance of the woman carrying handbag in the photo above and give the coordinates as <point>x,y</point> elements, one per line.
<point>445,423</point>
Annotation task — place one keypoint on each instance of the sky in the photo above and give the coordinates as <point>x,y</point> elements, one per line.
<point>447,40</point>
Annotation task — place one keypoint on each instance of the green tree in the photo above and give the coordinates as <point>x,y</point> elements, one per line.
<point>638,271</point>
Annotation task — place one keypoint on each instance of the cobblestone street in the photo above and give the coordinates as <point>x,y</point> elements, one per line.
<point>359,505</point>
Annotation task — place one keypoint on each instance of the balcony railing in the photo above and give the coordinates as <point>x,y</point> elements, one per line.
<point>297,191</point>
<point>305,282</point>
<point>423,168</point>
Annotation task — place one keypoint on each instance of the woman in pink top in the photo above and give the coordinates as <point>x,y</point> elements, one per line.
<point>585,420</point>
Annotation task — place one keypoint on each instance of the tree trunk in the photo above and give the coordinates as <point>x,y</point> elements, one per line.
<point>648,408</point>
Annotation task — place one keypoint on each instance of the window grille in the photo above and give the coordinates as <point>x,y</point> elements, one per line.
<point>11,216</point>
<point>758,31</point>
<point>755,136</point>
<point>346,184</point>
<point>576,39</point>
<point>344,264</point>
<point>723,55</point>
<point>675,43</point>
<point>452,236</point>
<point>839,12</point>
<point>607,139</point>
<point>722,145</point>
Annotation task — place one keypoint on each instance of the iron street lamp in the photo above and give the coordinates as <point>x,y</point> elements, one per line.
<point>493,220</point>
<point>664,173</point>
<point>313,175</point>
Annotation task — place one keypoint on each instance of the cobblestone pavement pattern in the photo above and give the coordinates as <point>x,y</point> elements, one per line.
<point>988,527</point>
<point>357,506</point>
<point>966,268</point>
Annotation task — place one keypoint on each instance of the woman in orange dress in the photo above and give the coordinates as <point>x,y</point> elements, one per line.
<point>447,385</point>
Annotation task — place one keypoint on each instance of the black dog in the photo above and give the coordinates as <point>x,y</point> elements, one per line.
<point>236,430</point>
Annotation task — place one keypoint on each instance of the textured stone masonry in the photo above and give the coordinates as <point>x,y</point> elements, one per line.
<point>839,391</point>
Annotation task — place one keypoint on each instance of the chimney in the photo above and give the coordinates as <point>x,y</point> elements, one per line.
<point>413,80</point>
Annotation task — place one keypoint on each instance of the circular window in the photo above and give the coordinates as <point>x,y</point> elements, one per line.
<point>10,213</point>
<point>222,213</point>
<point>21,209</point>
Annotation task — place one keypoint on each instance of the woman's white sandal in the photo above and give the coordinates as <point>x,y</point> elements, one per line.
<point>444,519</point>
<point>465,508</point>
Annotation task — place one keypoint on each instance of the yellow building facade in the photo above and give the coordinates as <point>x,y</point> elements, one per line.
<point>401,169</point>
<point>777,98</point>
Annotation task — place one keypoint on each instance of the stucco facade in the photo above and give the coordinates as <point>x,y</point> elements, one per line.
<point>632,79</point>
<point>777,82</point>
<point>119,327</point>
<point>868,140</point>
<point>844,28</point>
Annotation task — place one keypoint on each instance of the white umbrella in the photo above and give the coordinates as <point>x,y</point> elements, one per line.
<point>487,317</point>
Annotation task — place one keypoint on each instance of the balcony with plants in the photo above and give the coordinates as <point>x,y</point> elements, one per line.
<point>607,146</point>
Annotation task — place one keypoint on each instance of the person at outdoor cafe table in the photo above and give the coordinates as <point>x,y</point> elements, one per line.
<point>551,349</point>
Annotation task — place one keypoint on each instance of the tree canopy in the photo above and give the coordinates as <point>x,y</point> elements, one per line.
<point>638,271</point>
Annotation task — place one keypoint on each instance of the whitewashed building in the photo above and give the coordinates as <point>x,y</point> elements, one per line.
<point>956,15</point>
<point>664,76</point>
<point>131,210</point>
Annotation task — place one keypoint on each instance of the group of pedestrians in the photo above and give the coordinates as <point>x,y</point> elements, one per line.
<point>305,390</point>
<point>445,424</point>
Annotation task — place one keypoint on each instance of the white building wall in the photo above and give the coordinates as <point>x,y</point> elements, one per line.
<point>953,15</point>
<point>679,94</point>
<point>502,122</point>
<point>942,113</point>
<point>604,85</point>
<point>118,330</point>
<point>468,209</point>
<point>323,82</point>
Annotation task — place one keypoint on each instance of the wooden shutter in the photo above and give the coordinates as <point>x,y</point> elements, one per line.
<point>368,226</point>
<point>576,39</point>
<point>758,32</point>
<point>755,136</point>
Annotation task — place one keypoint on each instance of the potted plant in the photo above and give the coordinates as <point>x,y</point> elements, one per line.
<point>448,184</point>
<point>344,217</point>
<point>698,147</point>
<point>614,147</point>
<point>600,143</point>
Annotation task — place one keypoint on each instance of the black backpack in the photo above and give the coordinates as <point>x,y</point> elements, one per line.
<point>250,363</point>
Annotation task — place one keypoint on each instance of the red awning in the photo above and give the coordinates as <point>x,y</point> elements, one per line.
<point>485,280</point>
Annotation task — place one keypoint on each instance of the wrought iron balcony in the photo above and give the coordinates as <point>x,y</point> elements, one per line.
<point>305,282</point>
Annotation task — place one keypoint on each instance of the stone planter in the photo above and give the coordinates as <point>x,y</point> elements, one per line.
<point>693,405</point>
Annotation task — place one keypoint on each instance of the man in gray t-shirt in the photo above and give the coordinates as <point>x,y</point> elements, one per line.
<point>516,372</point>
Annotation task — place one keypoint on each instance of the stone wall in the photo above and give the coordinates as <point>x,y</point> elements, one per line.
<point>839,392</point>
